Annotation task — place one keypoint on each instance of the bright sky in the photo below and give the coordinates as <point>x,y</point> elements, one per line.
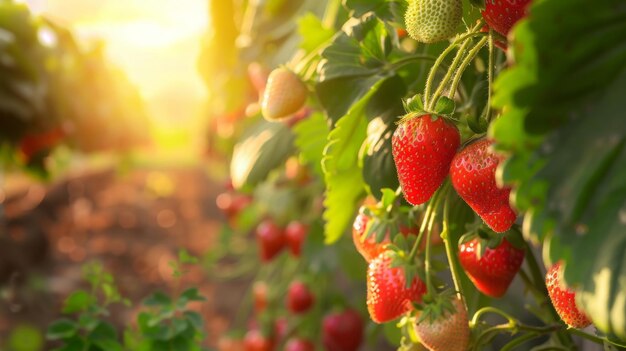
<point>156,42</point>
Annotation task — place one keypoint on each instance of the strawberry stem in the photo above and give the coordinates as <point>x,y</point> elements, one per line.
<point>490,73</point>
<point>441,194</point>
<point>433,70</point>
<point>468,59</point>
<point>593,338</point>
<point>450,253</point>
<point>430,104</point>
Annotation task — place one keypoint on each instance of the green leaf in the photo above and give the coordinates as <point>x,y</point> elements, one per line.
<point>25,337</point>
<point>103,331</point>
<point>61,329</point>
<point>344,181</point>
<point>388,10</point>
<point>192,294</point>
<point>108,345</point>
<point>313,32</point>
<point>311,136</point>
<point>78,301</point>
<point>158,298</point>
<point>194,319</point>
<point>568,140</point>
<point>352,64</point>
<point>263,148</point>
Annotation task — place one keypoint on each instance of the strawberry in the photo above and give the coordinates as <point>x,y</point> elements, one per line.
<point>367,246</point>
<point>387,295</point>
<point>501,15</point>
<point>284,94</point>
<point>492,271</point>
<point>232,204</point>
<point>295,344</point>
<point>423,147</point>
<point>256,341</point>
<point>259,296</point>
<point>35,143</point>
<point>564,299</point>
<point>473,174</point>
<point>445,332</point>
<point>295,234</point>
<point>270,239</point>
<point>342,331</point>
<point>430,21</point>
<point>299,298</point>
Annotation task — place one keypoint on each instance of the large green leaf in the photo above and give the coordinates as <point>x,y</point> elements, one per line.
<point>266,146</point>
<point>563,123</point>
<point>383,110</point>
<point>311,136</point>
<point>344,181</point>
<point>352,64</point>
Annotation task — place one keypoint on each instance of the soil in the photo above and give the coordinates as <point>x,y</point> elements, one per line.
<point>134,224</point>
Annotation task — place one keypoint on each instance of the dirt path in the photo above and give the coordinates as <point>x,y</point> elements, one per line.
<point>134,224</point>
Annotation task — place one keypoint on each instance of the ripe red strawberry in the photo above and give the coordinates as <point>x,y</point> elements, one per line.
<point>342,331</point>
<point>448,332</point>
<point>501,15</point>
<point>387,296</point>
<point>564,299</point>
<point>284,95</point>
<point>256,341</point>
<point>32,144</point>
<point>493,272</point>
<point>270,239</point>
<point>422,150</point>
<point>367,246</point>
<point>295,234</point>
<point>295,344</point>
<point>299,298</point>
<point>473,174</point>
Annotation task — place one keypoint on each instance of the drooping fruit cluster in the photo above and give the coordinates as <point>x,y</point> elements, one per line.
<point>501,15</point>
<point>448,331</point>
<point>272,239</point>
<point>342,331</point>
<point>388,296</point>
<point>564,299</point>
<point>430,21</point>
<point>493,269</point>
<point>284,94</point>
<point>473,174</point>
<point>423,147</point>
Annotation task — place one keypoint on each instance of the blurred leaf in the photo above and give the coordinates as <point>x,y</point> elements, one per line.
<point>158,298</point>
<point>192,294</point>
<point>25,338</point>
<point>568,139</point>
<point>61,329</point>
<point>78,301</point>
<point>311,136</point>
<point>263,148</point>
<point>313,32</point>
<point>194,319</point>
<point>388,10</point>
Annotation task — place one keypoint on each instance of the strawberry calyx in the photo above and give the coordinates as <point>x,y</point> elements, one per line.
<point>436,306</point>
<point>487,238</point>
<point>415,107</point>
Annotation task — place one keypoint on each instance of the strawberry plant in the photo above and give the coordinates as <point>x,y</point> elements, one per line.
<point>468,123</point>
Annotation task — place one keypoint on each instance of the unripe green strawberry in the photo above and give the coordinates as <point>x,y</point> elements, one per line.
<point>430,21</point>
<point>284,94</point>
